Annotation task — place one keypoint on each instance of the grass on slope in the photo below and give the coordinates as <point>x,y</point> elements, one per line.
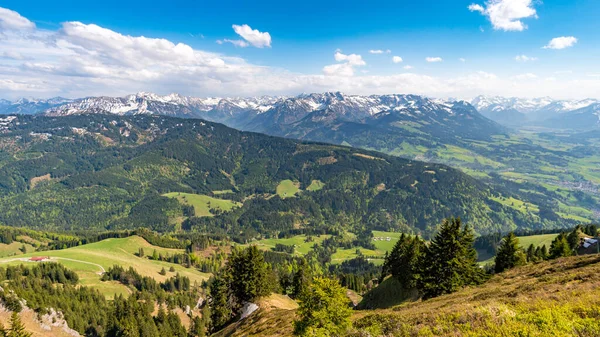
<point>315,185</point>
<point>553,298</point>
<point>14,249</point>
<point>89,261</point>
<point>537,240</point>
<point>298,241</point>
<point>388,294</point>
<point>287,189</point>
<point>203,204</point>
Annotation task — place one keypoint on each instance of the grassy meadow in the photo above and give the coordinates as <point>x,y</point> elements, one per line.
<point>91,260</point>
<point>203,204</point>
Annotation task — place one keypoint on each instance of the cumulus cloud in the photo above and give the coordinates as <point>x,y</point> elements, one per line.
<point>397,59</point>
<point>407,67</point>
<point>253,36</point>
<point>11,20</point>
<point>346,68</point>
<point>81,60</point>
<point>506,15</point>
<point>433,59</point>
<point>561,42</point>
<point>525,58</point>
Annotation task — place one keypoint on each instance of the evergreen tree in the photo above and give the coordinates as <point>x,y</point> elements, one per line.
<point>510,254</point>
<point>544,253</point>
<point>573,238</point>
<point>196,327</point>
<point>324,309</point>
<point>450,261</point>
<point>405,260</point>
<point>221,311</point>
<point>532,253</point>
<point>560,247</point>
<point>17,329</point>
<point>249,274</point>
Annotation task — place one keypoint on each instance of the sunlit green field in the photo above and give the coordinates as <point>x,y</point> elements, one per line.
<point>203,204</point>
<point>90,261</point>
<point>287,189</point>
<point>300,242</point>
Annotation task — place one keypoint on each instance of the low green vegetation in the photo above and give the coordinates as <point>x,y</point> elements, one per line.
<point>203,204</point>
<point>315,185</point>
<point>91,260</point>
<point>287,189</point>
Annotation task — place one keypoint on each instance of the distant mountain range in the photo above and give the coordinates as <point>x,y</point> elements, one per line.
<point>545,111</point>
<point>278,115</point>
<point>374,121</point>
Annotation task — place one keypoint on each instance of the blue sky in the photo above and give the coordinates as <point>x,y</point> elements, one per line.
<point>496,47</point>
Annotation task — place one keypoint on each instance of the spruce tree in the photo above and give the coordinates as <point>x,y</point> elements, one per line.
<point>404,261</point>
<point>510,254</point>
<point>249,274</point>
<point>221,311</point>
<point>450,261</point>
<point>17,329</point>
<point>560,247</point>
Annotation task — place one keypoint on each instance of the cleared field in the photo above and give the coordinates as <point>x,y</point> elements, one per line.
<point>537,240</point>
<point>523,207</point>
<point>315,185</point>
<point>203,204</point>
<point>14,249</point>
<point>89,261</point>
<point>299,242</point>
<point>287,189</point>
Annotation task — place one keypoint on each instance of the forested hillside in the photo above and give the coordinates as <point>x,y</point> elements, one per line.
<point>112,172</point>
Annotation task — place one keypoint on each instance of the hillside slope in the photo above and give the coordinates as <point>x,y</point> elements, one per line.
<point>553,298</point>
<point>111,172</point>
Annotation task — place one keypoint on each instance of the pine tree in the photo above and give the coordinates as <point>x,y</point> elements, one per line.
<point>324,309</point>
<point>196,327</point>
<point>573,238</point>
<point>404,261</point>
<point>249,274</point>
<point>17,329</point>
<point>450,261</point>
<point>544,253</point>
<point>510,254</point>
<point>220,306</point>
<point>560,247</point>
<point>532,253</point>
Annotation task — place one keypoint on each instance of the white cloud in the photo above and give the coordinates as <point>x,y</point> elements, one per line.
<point>433,59</point>
<point>561,42</point>
<point>237,43</point>
<point>346,68</point>
<point>251,37</point>
<point>506,14</point>
<point>397,59</point>
<point>82,60</point>
<point>525,58</point>
<point>11,20</point>
<point>463,60</point>
<point>407,67</point>
<point>379,51</point>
